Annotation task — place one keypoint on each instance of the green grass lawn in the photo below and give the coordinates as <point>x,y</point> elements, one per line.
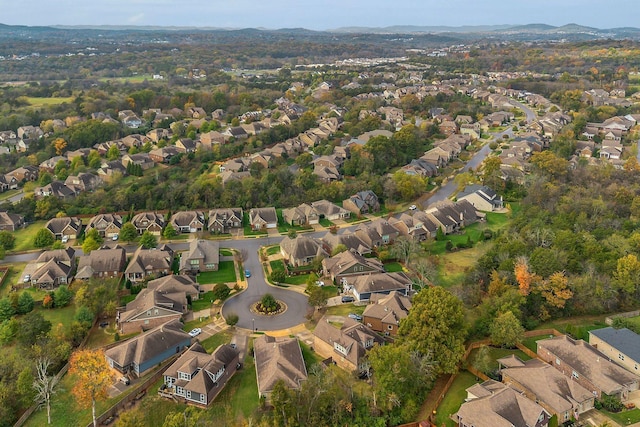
<point>277,265</point>
<point>455,265</point>
<point>24,236</point>
<point>40,102</point>
<point>310,357</point>
<point>225,252</point>
<point>499,353</point>
<point>454,398</point>
<point>226,273</point>
<point>126,299</point>
<point>325,222</point>
<point>578,327</point>
<point>624,418</point>
<point>196,323</point>
<point>300,279</point>
<point>203,302</point>
<point>216,340</point>
<point>9,193</point>
<point>345,309</point>
<point>392,267</point>
<point>57,315</point>
<point>273,250</point>
<point>14,276</point>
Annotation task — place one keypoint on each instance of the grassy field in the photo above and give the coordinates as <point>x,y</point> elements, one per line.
<point>203,302</point>
<point>454,265</point>
<point>133,79</point>
<point>345,309</point>
<point>454,398</point>
<point>300,279</point>
<point>14,276</point>
<point>57,315</point>
<point>392,267</point>
<point>624,418</point>
<point>226,273</point>
<point>24,236</point>
<point>41,102</point>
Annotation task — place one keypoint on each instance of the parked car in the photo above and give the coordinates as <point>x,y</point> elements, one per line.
<point>65,239</point>
<point>347,298</point>
<point>413,207</point>
<point>115,237</point>
<point>124,380</point>
<point>104,324</point>
<point>195,332</point>
<point>247,273</point>
<point>355,316</point>
<point>27,278</point>
<point>320,283</point>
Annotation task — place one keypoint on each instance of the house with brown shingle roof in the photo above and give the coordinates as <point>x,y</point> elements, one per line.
<point>263,218</point>
<point>203,255</point>
<point>65,226</point>
<point>188,221</point>
<point>592,369</point>
<point>10,222</point>
<point>301,250</point>
<point>557,394</point>
<point>223,220</point>
<point>386,312</point>
<point>347,346</point>
<point>363,287</point>
<point>493,404</point>
<point>349,263</point>
<point>151,308</point>
<point>139,354</point>
<point>107,225</point>
<point>303,214</point>
<point>175,283</point>
<point>362,202</point>
<point>148,221</point>
<point>278,359</point>
<point>103,262</point>
<point>199,377</point>
<point>149,262</point>
<point>330,211</point>
<point>351,240</point>
<point>52,268</point>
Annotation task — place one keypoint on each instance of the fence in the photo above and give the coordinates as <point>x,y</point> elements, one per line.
<point>609,319</point>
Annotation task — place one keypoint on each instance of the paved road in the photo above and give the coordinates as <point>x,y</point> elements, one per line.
<point>528,112</point>
<point>297,306</point>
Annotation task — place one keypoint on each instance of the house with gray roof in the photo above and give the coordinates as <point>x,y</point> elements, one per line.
<point>330,211</point>
<point>263,218</point>
<point>349,263</point>
<point>65,226</point>
<point>149,309</point>
<point>104,262</point>
<point>278,359</point>
<point>107,225</point>
<point>363,202</point>
<point>152,222</point>
<point>364,286</point>
<point>145,351</point>
<point>10,221</point>
<point>301,250</point>
<point>351,240</point>
<point>52,268</point>
<point>221,221</point>
<point>591,368</point>
<point>188,221</point>
<point>385,312</point>
<point>481,197</point>
<point>301,215</point>
<point>203,255</point>
<point>175,283</point>
<point>621,346</point>
<point>540,382</point>
<point>198,376</point>
<point>493,404</point>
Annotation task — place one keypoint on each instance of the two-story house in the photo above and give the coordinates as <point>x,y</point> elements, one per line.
<point>203,255</point>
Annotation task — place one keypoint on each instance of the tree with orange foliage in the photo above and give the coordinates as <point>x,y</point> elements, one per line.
<point>93,375</point>
<point>59,144</point>
<point>524,277</point>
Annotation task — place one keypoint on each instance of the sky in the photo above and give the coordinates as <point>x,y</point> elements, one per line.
<point>319,14</point>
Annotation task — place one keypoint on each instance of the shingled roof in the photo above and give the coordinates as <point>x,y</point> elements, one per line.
<point>278,359</point>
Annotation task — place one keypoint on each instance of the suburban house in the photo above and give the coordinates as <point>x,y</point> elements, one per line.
<point>65,226</point>
<point>149,262</point>
<point>140,159</point>
<point>52,268</point>
<point>83,182</point>
<point>203,255</point>
<point>25,173</point>
<point>540,382</point>
<point>492,404</point>
<point>327,210</point>
<point>188,221</point>
<point>301,215</point>
<point>278,359</point>
<point>103,262</point>
<point>176,283</point>
<point>164,154</point>
<point>452,217</point>
<point>147,350</point>
<point>55,189</point>
<point>415,224</point>
<point>620,345</point>
<point>301,250</point>
<point>351,240</point>
<point>377,233</point>
<point>589,367</point>
<point>148,221</point>
<point>151,308</point>
<point>199,377</point>
<point>386,312</point>
<point>186,145</point>
<point>349,263</point>
<point>481,197</point>
<point>221,221</point>
<point>263,218</point>
<point>107,225</point>
<point>377,283</point>
<point>347,346</point>
<point>10,221</point>
<point>363,202</point>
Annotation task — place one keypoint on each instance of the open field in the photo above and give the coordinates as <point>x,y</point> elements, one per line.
<point>24,236</point>
<point>40,102</point>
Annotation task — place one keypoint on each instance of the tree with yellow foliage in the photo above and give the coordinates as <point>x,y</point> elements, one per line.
<point>524,277</point>
<point>94,376</point>
<point>59,144</point>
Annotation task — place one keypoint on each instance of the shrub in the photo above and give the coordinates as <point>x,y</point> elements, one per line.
<point>278,276</point>
<point>449,246</point>
<point>63,296</point>
<point>47,301</point>
<point>611,403</point>
<point>232,319</point>
<point>221,292</point>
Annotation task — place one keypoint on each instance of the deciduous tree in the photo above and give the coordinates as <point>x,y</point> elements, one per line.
<point>93,378</point>
<point>45,385</point>
<point>506,330</point>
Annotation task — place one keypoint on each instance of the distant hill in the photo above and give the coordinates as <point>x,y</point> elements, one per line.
<point>409,29</point>
<point>532,28</point>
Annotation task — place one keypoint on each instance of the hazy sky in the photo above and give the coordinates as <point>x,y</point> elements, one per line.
<point>319,14</point>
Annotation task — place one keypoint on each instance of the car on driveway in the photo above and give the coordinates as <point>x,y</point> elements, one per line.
<point>195,332</point>
<point>347,298</point>
<point>355,316</point>
<point>65,239</point>
<point>27,278</point>
<point>247,274</point>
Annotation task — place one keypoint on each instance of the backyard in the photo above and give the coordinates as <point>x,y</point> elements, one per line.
<point>24,236</point>
<point>454,398</point>
<point>226,273</point>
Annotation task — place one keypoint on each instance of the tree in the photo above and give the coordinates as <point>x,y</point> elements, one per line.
<point>148,240</point>
<point>25,303</point>
<point>33,327</point>
<point>63,296</point>
<point>292,234</point>
<point>627,274</point>
<point>131,418</point>
<point>7,310</point>
<point>7,240</point>
<point>24,387</point>
<point>555,290</point>
<point>188,418</point>
<point>482,360</point>
<point>317,296</point>
<point>45,385</point>
<point>43,238</point>
<point>404,248</point>
<point>491,175</point>
<point>113,153</point>
<point>89,245</point>
<point>169,232</point>
<point>94,376</point>
<point>85,316</point>
<point>524,277</point>
<point>128,232</point>
<point>436,327</point>
<point>278,276</point>
<point>59,144</point>
<point>506,330</point>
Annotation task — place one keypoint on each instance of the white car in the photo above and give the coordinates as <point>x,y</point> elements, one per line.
<point>195,332</point>
<point>413,207</point>
<point>65,239</point>
<point>114,237</point>
<point>27,278</point>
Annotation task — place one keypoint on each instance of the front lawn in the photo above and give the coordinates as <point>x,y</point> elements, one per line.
<point>454,398</point>
<point>300,279</point>
<point>24,236</point>
<point>216,340</point>
<point>196,323</point>
<point>226,273</point>
<point>392,267</point>
<point>277,265</point>
<point>624,418</point>
<point>325,223</point>
<point>225,252</point>
<point>273,250</point>
<point>344,309</point>
<point>203,302</point>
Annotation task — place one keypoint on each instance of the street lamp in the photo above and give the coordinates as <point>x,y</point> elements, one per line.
<point>253,325</point>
